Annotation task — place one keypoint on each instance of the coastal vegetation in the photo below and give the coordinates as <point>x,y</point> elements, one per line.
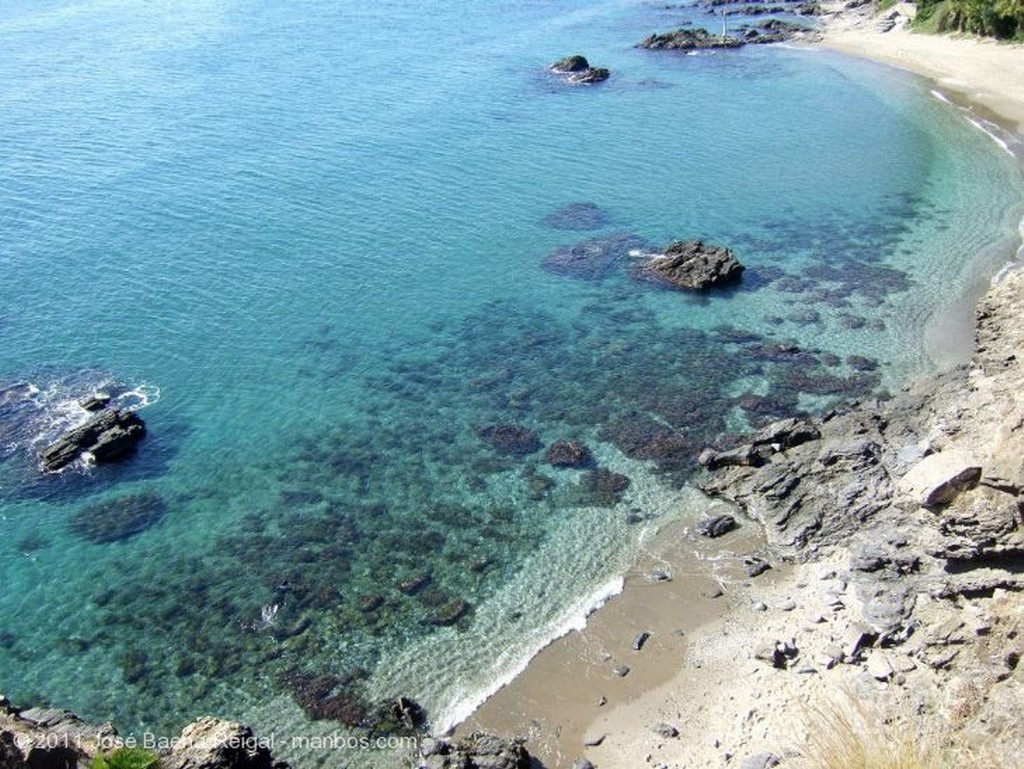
<point>1003,19</point>
<point>127,758</point>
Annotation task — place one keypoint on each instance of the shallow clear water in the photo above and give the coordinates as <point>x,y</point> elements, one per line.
<point>311,238</point>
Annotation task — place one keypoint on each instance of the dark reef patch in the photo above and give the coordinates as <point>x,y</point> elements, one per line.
<point>119,518</point>
<point>595,258</point>
<point>578,216</point>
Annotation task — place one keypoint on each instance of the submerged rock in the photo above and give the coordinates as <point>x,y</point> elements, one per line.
<point>568,454</point>
<point>577,216</point>
<point>449,613</point>
<point>107,436</point>
<point>691,265</point>
<point>119,518</point>
<point>595,258</point>
<point>604,487</point>
<point>510,439</point>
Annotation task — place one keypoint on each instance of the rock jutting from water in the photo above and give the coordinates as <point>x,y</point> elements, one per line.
<point>699,39</point>
<point>579,71</point>
<point>683,39</point>
<point>691,265</point>
<point>108,435</point>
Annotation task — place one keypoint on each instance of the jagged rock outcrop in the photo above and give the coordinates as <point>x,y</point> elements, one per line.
<point>212,743</point>
<point>575,63</point>
<point>684,39</point>
<point>579,70</point>
<point>47,738</point>
<point>690,265</point>
<point>476,751</point>
<point>590,76</point>
<point>108,435</point>
<point>924,491</point>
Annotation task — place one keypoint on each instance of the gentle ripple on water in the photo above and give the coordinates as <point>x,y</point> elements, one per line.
<point>325,250</point>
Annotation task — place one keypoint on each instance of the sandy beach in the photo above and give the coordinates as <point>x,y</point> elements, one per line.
<point>737,670</point>
<point>988,74</point>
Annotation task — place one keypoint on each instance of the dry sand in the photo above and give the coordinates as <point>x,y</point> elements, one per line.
<point>986,73</point>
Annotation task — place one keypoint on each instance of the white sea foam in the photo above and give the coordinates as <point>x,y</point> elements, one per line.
<point>508,669</point>
<point>993,132</point>
<point>941,96</point>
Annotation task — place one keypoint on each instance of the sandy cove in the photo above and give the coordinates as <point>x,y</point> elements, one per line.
<point>986,73</point>
<point>894,612</point>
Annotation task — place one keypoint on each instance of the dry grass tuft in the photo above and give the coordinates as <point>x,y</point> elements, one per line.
<point>847,736</point>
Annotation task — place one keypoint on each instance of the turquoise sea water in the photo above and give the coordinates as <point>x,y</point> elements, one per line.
<point>308,239</point>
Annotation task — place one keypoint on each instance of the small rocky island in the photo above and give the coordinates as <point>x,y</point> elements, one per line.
<point>579,70</point>
<point>698,39</point>
<point>691,265</point>
<point>683,39</point>
<point>108,435</point>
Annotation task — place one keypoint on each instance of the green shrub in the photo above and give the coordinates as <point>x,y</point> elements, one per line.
<point>127,758</point>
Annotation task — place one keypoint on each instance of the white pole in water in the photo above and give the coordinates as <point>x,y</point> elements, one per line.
<point>724,21</point>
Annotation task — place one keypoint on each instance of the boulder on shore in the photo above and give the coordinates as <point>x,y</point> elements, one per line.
<point>691,265</point>
<point>477,751</point>
<point>108,435</point>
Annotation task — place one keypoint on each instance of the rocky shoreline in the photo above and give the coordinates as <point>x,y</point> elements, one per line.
<point>888,602</point>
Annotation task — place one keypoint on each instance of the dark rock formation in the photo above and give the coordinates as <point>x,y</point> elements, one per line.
<point>590,76</point>
<point>568,454</point>
<point>603,487</point>
<point>577,216</point>
<point>477,751</point>
<point>594,259</point>
<point>778,436</point>
<point>579,70</point>
<point>796,477</point>
<point>212,743</point>
<point>570,64</point>
<point>691,265</point>
<point>775,31</point>
<point>717,526</point>
<point>47,738</point>
<point>683,39</point>
<point>449,613</point>
<point>41,738</point>
<point>327,697</point>
<point>107,436</point>
<point>119,518</point>
<point>510,439</point>
<point>95,402</point>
